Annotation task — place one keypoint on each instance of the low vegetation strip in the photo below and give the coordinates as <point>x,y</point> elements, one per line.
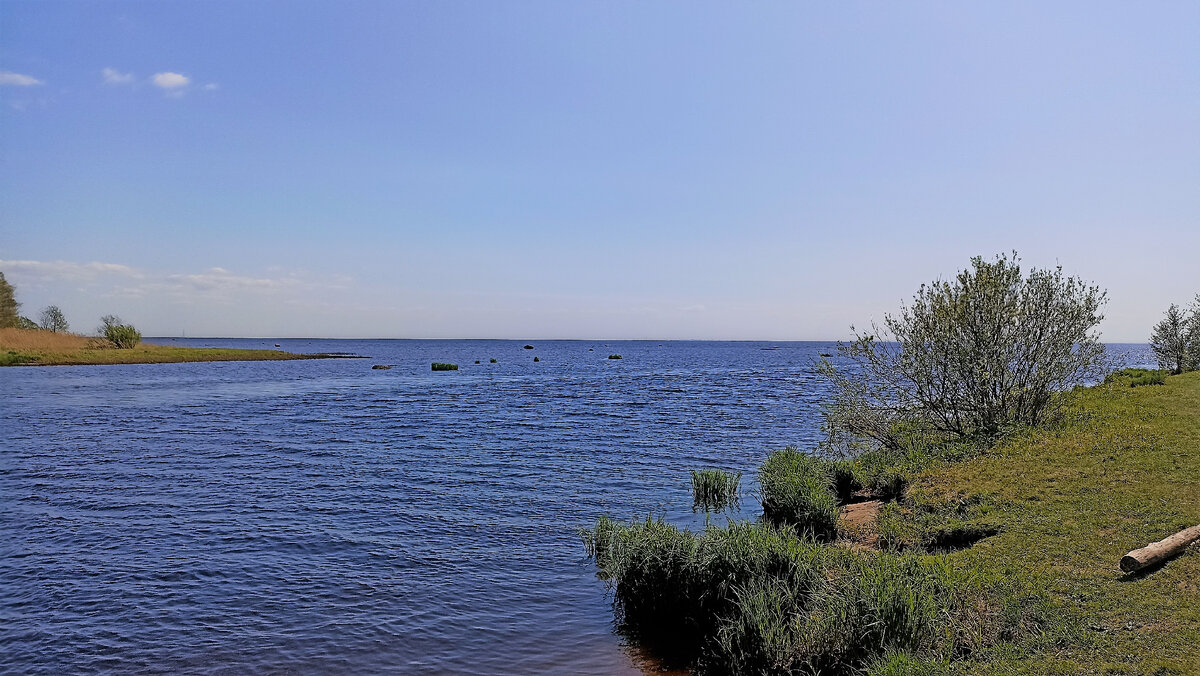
<point>23,347</point>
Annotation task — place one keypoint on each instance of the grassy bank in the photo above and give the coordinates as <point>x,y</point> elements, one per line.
<point>21,347</point>
<point>984,558</point>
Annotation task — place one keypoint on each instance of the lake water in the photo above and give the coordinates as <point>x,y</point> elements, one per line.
<point>324,517</point>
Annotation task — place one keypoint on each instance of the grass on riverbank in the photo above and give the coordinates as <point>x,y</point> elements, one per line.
<point>23,347</point>
<point>1005,558</point>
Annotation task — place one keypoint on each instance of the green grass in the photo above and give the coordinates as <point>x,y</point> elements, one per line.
<point>1120,470</point>
<point>714,489</point>
<point>492,360</point>
<point>442,366</point>
<point>614,356</point>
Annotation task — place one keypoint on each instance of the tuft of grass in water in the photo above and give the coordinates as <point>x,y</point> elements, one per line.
<point>797,490</point>
<point>476,361</point>
<point>442,366</point>
<point>714,490</point>
<point>614,356</point>
<point>492,360</point>
<point>536,359</point>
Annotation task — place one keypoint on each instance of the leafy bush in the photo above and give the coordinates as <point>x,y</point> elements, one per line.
<point>969,357</point>
<point>442,366</point>
<point>797,490</point>
<point>122,336</point>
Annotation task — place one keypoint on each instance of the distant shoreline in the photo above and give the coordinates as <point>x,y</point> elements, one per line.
<point>20,347</point>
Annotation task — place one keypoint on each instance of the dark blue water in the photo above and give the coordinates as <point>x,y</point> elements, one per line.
<point>324,517</point>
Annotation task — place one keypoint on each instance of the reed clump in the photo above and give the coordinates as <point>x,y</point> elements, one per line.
<point>714,489</point>
<point>760,598</point>
<point>614,356</point>
<point>797,490</point>
<point>442,366</point>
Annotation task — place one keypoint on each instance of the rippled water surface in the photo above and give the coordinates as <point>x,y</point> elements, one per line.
<point>324,517</point>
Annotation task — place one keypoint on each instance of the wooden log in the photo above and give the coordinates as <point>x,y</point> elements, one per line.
<point>1159,551</point>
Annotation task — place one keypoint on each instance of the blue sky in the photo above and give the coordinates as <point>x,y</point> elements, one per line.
<point>606,169</point>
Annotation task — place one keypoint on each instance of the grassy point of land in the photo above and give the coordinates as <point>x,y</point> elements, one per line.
<point>1123,470</point>
<point>23,347</point>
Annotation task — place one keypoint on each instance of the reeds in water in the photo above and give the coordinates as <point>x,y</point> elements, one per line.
<point>714,490</point>
<point>442,366</point>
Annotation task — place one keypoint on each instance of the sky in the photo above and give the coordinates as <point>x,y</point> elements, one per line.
<point>771,170</point>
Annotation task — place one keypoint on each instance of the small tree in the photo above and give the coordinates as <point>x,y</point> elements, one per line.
<point>1176,339</point>
<point>54,320</point>
<point>989,349</point>
<point>9,306</point>
<point>121,335</point>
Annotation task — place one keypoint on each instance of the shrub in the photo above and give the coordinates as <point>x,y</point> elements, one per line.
<point>990,349</point>
<point>714,489</point>
<point>1176,339</point>
<point>122,336</point>
<point>442,366</point>
<point>797,490</point>
<point>1148,379</point>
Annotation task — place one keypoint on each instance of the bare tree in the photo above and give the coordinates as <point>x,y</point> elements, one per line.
<point>990,348</point>
<point>54,320</point>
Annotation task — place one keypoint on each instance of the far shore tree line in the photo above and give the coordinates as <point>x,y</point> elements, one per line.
<point>117,332</point>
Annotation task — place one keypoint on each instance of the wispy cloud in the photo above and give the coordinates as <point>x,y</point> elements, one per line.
<point>211,86</point>
<point>115,77</point>
<point>123,280</point>
<point>66,270</point>
<point>17,80</point>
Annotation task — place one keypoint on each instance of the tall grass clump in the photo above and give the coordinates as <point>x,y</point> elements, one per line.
<point>671,586</point>
<point>442,366</point>
<point>797,490</point>
<point>755,598</point>
<point>714,489</point>
<point>614,356</point>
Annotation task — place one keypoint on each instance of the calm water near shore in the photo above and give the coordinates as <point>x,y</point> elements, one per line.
<point>324,517</point>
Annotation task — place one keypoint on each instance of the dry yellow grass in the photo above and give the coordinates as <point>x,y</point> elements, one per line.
<point>22,340</point>
<point>24,347</point>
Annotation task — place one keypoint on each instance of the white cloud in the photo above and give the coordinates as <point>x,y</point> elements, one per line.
<point>170,81</point>
<point>211,86</point>
<point>17,80</point>
<point>68,270</point>
<point>116,77</point>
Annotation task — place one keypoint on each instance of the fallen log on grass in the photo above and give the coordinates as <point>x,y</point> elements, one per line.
<point>1160,551</point>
